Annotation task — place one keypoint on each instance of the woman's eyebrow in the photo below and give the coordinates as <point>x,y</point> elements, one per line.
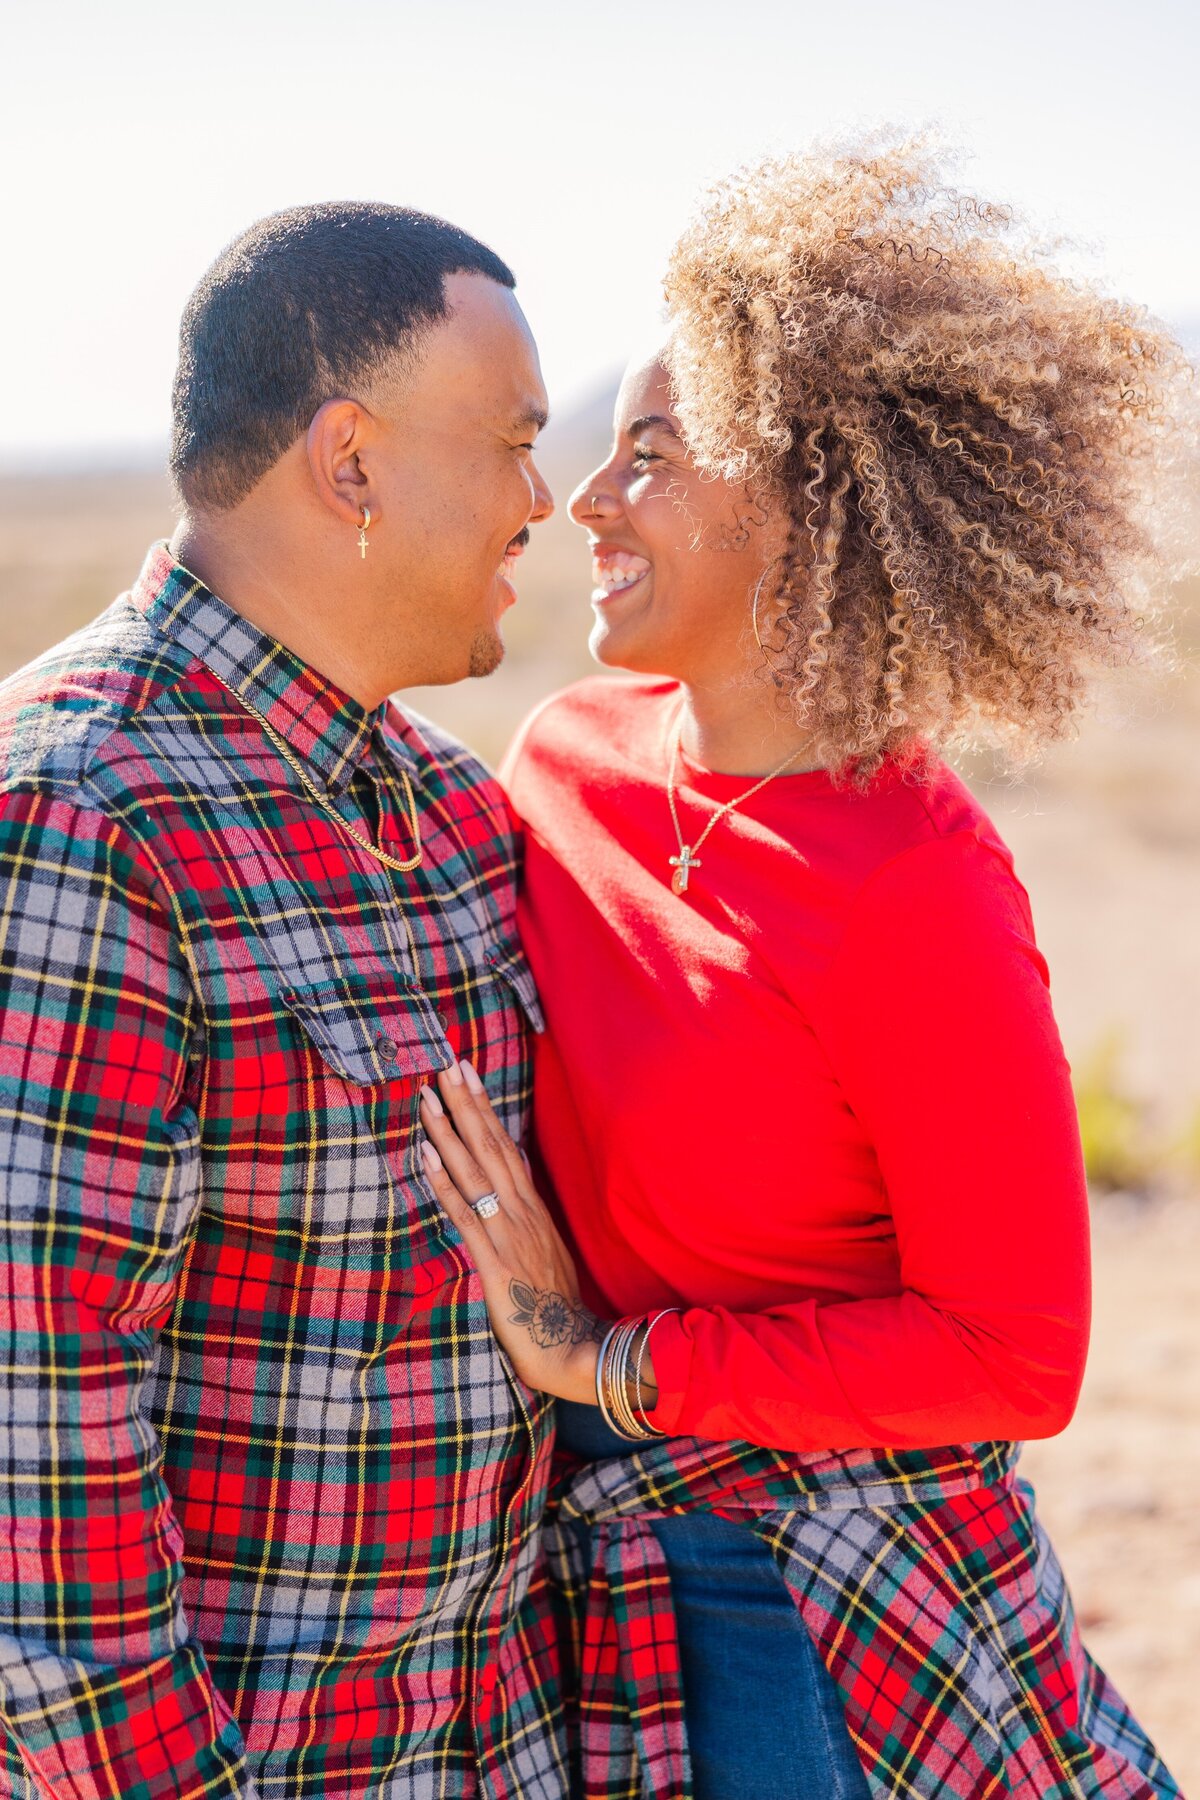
<point>647,423</point>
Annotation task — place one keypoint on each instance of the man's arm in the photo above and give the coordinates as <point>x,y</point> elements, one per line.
<point>101,1688</point>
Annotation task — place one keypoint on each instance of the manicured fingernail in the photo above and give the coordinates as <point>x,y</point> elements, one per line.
<point>430,1157</point>
<point>430,1099</point>
<point>470,1077</point>
<point>453,1073</point>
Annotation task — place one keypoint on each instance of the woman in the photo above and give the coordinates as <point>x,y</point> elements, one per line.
<point>801,1100</point>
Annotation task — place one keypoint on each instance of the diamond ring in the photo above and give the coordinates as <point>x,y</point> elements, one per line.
<point>487,1206</point>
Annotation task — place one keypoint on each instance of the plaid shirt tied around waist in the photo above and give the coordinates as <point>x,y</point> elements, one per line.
<point>923,1578</point>
<point>273,1492</point>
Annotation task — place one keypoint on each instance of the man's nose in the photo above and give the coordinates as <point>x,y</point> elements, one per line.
<point>543,499</point>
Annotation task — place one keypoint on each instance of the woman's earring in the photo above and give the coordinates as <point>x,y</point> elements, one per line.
<point>363,527</point>
<point>754,612</point>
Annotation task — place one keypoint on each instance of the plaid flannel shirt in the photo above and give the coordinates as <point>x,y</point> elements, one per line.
<point>273,1490</point>
<point>923,1578</point>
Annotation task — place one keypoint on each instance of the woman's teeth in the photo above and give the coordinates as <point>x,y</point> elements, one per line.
<point>613,573</point>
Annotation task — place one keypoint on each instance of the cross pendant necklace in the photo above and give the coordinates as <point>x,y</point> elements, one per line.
<point>683,864</point>
<point>687,860</point>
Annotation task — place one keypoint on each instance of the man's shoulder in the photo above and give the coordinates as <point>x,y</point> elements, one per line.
<point>433,744</point>
<point>59,711</point>
<point>460,778</point>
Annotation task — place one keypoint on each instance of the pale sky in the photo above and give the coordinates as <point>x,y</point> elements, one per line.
<point>137,138</point>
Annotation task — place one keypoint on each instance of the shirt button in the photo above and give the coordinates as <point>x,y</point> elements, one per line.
<point>485,1694</point>
<point>444,1021</point>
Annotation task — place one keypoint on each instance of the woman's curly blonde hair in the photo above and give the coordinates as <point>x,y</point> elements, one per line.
<point>968,444</point>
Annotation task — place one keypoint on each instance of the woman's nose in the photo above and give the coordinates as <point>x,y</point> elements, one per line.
<point>589,503</point>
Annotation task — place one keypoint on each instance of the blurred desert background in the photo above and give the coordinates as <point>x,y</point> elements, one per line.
<point>1106,833</point>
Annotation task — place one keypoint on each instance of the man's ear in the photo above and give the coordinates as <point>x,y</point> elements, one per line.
<point>336,449</point>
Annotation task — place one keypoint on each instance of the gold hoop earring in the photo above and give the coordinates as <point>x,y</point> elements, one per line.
<point>364,526</point>
<point>754,612</point>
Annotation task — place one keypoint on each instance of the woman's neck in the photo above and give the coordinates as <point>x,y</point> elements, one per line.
<point>741,729</point>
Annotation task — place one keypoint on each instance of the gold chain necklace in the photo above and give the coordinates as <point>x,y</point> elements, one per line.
<point>326,805</point>
<point>687,860</point>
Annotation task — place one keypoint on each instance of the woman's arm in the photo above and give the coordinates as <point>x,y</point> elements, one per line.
<point>935,1014</point>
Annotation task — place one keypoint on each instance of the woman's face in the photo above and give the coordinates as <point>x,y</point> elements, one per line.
<point>675,555</point>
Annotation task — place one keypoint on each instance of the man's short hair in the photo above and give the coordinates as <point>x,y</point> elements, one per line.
<point>305,306</point>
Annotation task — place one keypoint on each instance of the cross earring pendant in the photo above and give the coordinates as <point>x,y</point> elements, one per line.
<point>683,864</point>
<point>362,540</point>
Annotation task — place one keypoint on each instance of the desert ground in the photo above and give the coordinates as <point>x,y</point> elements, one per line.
<point>1106,833</point>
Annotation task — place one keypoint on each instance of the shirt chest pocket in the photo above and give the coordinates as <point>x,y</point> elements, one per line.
<point>360,1048</point>
<point>510,966</point>
<point>312,1115</point>
<point>371,1032</point>
<point>386,1029</point>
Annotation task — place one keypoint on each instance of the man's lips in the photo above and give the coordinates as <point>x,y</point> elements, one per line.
<point>516,548</point>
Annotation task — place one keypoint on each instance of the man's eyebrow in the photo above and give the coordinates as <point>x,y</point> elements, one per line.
<point>534,418</point>
<point>647,423</point>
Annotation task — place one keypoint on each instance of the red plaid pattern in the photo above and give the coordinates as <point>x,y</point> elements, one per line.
<point>925,1581</point>
<point>272,1489</point>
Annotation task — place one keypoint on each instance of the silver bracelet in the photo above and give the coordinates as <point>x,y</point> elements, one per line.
<point>638,1404</point>
<point>601,1384</point>
<point>617,1383</point>
<point>605,1342</point>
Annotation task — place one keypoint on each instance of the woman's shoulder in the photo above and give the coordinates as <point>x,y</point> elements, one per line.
<point>598,721</point>
<point>931,850</point>
<point>922,801</point>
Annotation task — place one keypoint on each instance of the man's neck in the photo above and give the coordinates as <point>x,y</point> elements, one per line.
<point>266,583</point>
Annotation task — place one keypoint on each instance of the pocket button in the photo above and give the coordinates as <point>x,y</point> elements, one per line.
<point>388,1047</point>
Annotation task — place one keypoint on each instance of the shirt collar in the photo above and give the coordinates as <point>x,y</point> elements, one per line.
<point>320,723</point>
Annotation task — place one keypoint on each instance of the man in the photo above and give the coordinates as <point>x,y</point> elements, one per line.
<point>273,1489</point>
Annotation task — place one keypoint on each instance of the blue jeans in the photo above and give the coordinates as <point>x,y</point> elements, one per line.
<point>764,1719</point>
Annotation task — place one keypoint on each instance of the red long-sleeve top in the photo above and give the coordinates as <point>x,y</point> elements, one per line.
<point>819,1103</point>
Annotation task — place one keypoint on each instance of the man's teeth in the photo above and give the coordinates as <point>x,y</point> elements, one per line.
<point>612,573</point>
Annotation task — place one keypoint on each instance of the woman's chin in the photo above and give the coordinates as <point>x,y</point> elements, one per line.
<point>626,650</point>
<point>617,648</point>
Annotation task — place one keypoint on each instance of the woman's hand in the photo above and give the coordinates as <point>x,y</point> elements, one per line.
<point>528,1276</point>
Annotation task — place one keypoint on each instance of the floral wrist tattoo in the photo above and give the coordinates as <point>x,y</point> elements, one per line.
<point>551,1319</point>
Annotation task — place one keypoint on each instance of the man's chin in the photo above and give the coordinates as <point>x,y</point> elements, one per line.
<point>486,655</point>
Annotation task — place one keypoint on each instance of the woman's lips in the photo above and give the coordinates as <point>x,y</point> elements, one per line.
<point>615,571</point>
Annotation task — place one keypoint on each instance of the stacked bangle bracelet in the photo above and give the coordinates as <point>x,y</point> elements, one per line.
<point>619,1377</point>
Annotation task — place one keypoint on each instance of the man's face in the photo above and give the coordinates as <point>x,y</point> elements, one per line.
<point>455,460</point>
